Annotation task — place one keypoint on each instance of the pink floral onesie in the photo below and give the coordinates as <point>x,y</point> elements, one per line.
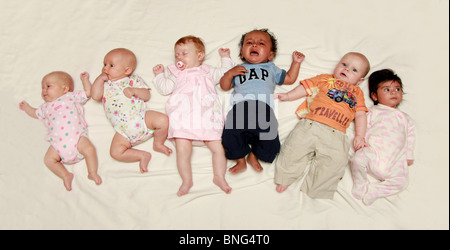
<point>390,135</point>
<point>64,119</point>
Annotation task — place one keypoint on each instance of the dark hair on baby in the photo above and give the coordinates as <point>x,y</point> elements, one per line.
<point>381,76</point>
<point>273,39</point>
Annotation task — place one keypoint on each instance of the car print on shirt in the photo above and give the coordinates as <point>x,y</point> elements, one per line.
<point>342,95</point>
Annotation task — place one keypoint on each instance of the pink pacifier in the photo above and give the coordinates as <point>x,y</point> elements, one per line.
<point>180,65</point>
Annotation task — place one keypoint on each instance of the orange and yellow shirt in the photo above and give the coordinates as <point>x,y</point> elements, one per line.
<point>331,101</point>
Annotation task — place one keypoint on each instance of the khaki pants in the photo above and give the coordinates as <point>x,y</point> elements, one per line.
<point>325,148</point>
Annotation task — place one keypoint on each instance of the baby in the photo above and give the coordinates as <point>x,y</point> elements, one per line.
<point>63,115</point>
<point>333,102</point>
<point>124,96</point>
<point>194,108</point>
<point>390,137</point>
<point>251,127</point>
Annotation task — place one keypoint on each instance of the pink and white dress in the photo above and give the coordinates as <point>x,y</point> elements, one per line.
<point>390,134</point>
<point>194,108</point>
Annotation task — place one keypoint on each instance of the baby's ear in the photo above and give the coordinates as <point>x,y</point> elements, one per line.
<point>271,56</point>
<point>66,88</point>
<point>128,70</point>
<point>374,96</point>
<point>201,56</point>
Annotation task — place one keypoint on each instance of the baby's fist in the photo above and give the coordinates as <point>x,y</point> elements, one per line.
<point>22,105</point>
<point>158,69</point>
<point>224,52</point>
<point>298,56</point>
<point>84,76</point>
<point>128,92</point>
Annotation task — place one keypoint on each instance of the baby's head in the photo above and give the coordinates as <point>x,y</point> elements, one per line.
<point>258,46</point>
<point>119,63</point>
<point>190,51</point>
<point>352,68</point>
<point>55,85</point>
<point>386,88</point>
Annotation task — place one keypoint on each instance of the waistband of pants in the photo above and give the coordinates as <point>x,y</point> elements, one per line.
<point>323,126</point>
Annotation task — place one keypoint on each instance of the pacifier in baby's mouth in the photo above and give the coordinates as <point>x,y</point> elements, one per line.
<point>180,65</point>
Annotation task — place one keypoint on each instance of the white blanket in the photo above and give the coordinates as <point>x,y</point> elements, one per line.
<point>37,37</point>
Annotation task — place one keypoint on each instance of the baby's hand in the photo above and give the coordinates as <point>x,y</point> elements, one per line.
<point>224,52</point>
<point>103,76</point>
<point>84,76</point>
<point>298,56</point>
<point>282,96</point>
<point>23,105</point>
<point>128,92</point>
<point>359,142</point>
<point>158,69</point>
<point>237,70</point>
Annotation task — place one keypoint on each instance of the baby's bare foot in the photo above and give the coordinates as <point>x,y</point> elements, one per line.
<point>143,163</point>
<point>281,188</point>
<point>184,188</point>
<point>96,178</point>
<point>68,181</point>
<point>253,161</point>
<point>222,183</point>
<point>241,166</point>
<point>162,149</point>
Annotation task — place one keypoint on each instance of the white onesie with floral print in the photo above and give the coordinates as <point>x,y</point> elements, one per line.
<point>127,115</point>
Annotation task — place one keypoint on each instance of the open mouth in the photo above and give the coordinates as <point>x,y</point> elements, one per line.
<point>343,74</point>
<point>254,53</point>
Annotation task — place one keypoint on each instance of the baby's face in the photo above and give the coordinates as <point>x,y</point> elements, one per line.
<point>389,93</point>
<point>189,55</point>
<point>115,66</point>
<point>257,48</point>
<point>53,87</point>
<point>351,69</point>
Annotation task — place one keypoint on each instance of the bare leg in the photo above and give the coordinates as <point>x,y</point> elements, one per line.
<point>253,161</point>
<point>160,123</point>
<point>86,148</point>
<point>240,166</point>
<point>121,150</point>
<point>184,152</point>
<point>219,165</point>
<point>53,161</point>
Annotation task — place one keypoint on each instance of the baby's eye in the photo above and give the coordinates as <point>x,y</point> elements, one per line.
<point>386,90</point>
<point>344,64</point>
<point>355,70</point>
<point>398,89</point>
